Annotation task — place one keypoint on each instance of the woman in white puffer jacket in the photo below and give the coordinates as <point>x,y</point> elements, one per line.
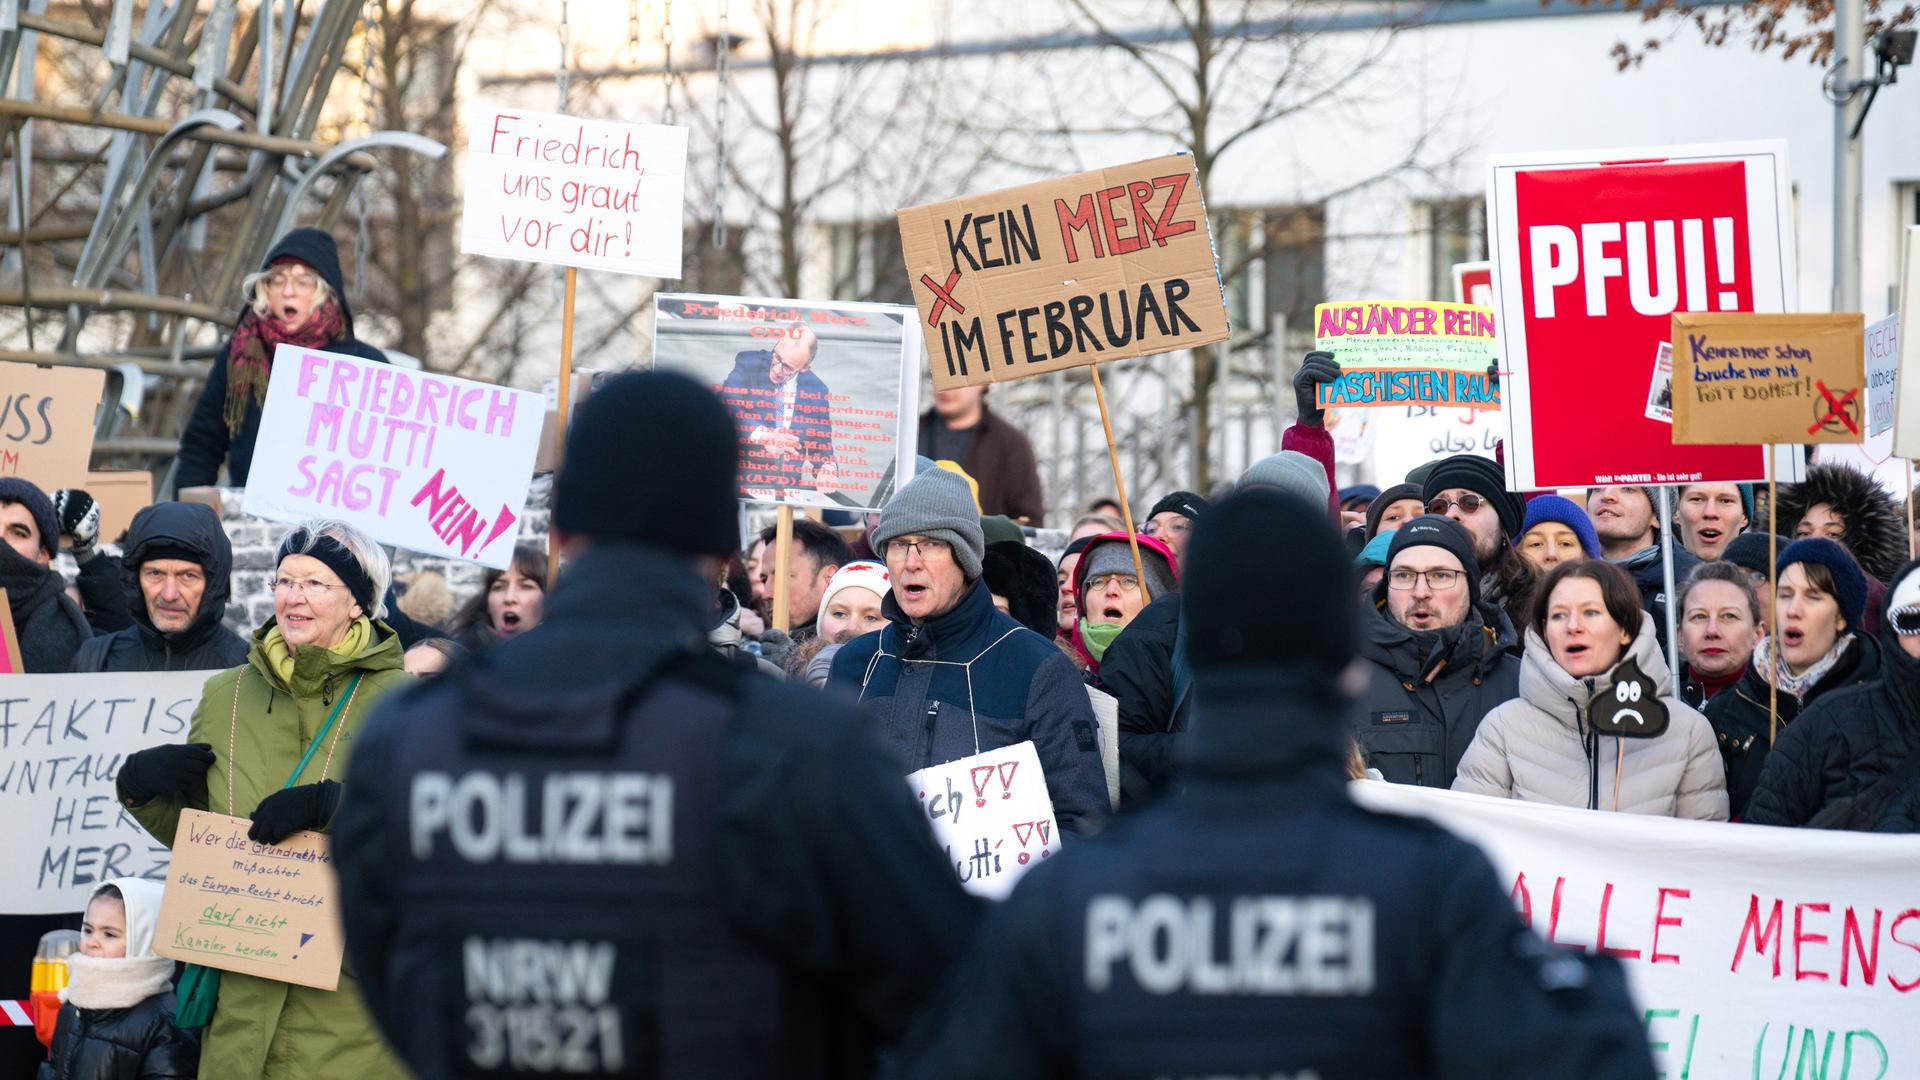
<point>1587,625</point>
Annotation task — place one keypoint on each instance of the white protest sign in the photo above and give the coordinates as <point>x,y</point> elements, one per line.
<point>992,814</point>
<point>594,194</point>
<point>1750,950</point>
<point>62,741</point>
<point>1883,365</point>
<point>427,462</point>
<point>1906,432</point>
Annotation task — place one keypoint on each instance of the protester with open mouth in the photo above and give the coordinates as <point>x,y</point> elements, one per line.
<point>1852,761</point>
<point>1720,622</point>
<point>1819,646</point>
<point>950,676</point>
<point>271,741</point>
<point>296,298</point>
<point>1629,531</point>
<point>1438,655</point>
<point>1108,592</point>
<point>1709,516</point>
<point>508,604</point>
<point>1588,637</point>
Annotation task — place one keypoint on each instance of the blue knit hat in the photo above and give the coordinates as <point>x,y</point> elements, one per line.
<point>1849,582</point>
<point>1375,553</point>
<point>1563,511</point>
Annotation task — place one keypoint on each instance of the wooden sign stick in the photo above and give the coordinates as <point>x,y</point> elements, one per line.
<point>560,425</point>
<point>1773,604</point>
<point>1113,455</point>
<point>782,562</point>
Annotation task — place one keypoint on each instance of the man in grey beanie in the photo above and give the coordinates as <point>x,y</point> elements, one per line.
<point>950,675</point>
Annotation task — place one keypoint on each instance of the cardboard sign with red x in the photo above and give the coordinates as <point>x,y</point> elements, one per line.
<point>1745,378</point>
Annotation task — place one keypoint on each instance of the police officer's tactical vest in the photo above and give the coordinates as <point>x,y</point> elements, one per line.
<point>556,888</point>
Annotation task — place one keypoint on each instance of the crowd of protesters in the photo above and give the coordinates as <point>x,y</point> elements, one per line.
<point>1442,631</point>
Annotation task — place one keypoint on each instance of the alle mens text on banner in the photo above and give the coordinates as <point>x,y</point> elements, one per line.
<point>63,739</point>
<point>594,194</point>
<point>427,462</point>
<point>1752,951</point>
<point>1098,266</point>
<point>1408,353</point>
<point>1593,253</point>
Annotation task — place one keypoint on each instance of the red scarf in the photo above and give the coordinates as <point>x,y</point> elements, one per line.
<point>250,355</point>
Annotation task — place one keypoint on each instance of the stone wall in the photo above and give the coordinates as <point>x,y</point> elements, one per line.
<point>256,541</point>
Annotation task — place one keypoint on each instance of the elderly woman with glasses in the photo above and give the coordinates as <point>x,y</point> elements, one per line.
<point>270,741</point>
<point>295,299</point>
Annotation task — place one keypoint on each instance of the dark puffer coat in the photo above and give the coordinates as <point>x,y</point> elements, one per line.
<point>1875,535</point>
<point>206,440</point>
<point>1427,692</point>
<point>48,624</point>
<point>1155,700</point>
<point>138,1043</point>
<point>1842,746</point>
<point>171,530</point>
<point>1739,716</point>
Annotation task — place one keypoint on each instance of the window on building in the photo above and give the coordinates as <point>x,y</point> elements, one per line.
<point>720,270</point>
<point>1274,265</point>
<point>867,262</point>
<point>1450,231</point>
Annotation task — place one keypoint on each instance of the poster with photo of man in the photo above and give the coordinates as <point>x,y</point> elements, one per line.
<point>824,395</point>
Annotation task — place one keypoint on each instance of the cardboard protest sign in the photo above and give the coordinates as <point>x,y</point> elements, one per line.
<point>1906,418</point>
<point>270,910</point>
<point>1768,378</point>
<point>1593,253</point>
<point>46,422</point>
<point>1883,368</point>
<point>992,814</point>
<point>595,194</point>
<point>62,740</point>
<point>1473,283</point>
<point>11,662</point>
<point>825,396</point>
<point>121,494</point>
<point>1751,950</point>
<point>1407,353</point>
<point>427,462</point>
<point>1101,265</point>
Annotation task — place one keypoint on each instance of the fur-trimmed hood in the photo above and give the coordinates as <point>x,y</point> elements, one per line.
<point>1875,534</point>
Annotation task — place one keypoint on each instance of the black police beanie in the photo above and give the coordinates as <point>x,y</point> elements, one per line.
<point>1185,503</point>
<point>1748,551</point>
<point>651,459</point>
<point>1483,477</point>
<point>1242,606</point>
<point>1433,530</point>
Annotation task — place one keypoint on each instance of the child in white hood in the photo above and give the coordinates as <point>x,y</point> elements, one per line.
<point>117,1020</point>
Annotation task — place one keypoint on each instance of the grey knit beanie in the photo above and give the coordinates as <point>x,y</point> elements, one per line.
<point>1105,556</point>
<point>1290,471</point>
<point>936,503</point>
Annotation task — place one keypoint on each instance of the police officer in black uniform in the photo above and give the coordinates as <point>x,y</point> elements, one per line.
<point>1258,922</point>
<point>600,850</point>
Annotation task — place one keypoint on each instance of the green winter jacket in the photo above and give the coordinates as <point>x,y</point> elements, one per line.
<point>258,727</point>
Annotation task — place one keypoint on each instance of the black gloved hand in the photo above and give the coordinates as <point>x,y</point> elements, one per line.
<point>1316,368</point>
<point>163,770</point>
<point>79,520</point>
<point>287,811</point>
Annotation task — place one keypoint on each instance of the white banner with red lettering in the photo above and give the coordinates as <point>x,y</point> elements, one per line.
<point>1752,951</point>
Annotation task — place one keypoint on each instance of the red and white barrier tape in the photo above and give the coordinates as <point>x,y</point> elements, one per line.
<point>16,1013</point>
